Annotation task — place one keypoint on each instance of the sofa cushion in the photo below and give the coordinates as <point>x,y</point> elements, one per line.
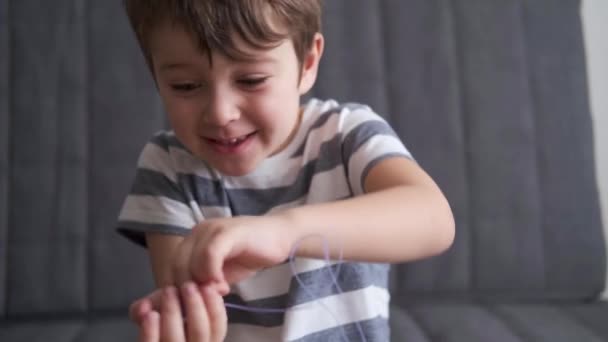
<point>543,322</point>
<point>550,322</point>
<point>114,328</point>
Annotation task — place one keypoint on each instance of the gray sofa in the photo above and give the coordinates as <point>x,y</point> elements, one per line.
<point>489,95</point>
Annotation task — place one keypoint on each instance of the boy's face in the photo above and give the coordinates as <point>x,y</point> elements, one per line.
<point>232,114</point>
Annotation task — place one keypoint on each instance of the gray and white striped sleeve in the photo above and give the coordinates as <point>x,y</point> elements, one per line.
<point>367,140</point>
<point>156,202</point>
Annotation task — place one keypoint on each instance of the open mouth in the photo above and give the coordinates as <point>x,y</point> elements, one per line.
<point>232,143</point>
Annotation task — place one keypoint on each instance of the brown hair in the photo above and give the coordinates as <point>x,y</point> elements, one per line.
<point>214,22</point>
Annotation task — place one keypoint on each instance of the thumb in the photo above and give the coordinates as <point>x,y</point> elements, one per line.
<point>141,307</point>
<point>221,287</point>
<point>234,272</point>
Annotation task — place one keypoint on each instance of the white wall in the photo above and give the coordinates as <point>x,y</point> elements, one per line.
<point>595,25</point>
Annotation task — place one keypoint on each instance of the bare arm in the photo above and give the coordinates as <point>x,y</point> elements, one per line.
<point>402,217</point>
<point>161,248</point>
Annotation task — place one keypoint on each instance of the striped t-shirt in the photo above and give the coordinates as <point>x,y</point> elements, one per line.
<point>327,160</point>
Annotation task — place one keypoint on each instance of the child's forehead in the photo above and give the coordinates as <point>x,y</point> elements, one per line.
<point>174,36</point>
<point>174,47</point>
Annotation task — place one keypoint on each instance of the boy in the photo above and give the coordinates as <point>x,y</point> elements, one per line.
<point>247,172</point>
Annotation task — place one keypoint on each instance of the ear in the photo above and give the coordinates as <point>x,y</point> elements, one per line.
<point>310,64</point>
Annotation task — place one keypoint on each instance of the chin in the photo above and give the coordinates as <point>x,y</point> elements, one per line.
<point>225,167</point>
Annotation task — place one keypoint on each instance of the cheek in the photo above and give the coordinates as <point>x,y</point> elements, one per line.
<point>183,116</point>
<point>283,99</point>
<point>263,111</point>
<point>277,117</point>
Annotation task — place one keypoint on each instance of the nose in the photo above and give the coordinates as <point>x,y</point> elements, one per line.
<point>221,109</point>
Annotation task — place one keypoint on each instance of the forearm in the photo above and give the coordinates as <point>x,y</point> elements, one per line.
<point>161,248</point>
<point>393,225</point>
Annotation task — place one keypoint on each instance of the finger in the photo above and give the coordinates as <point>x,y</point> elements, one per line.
<point>197,326</point>
<point>149,328</point>
<point>155,299</point>
<point>209,257</point>
<point>136,309</point>
<point>234,271</point>
<point>223,288</point>
<point>141,307</point>
<point>218,319</point>
<point>171,321</point>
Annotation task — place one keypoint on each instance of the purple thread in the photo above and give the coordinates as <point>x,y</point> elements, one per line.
<point>292,265</point>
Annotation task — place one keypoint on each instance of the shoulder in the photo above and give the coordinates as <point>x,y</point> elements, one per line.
<point>320,109</point>
<point>330,116</point>
<point>164,140</point>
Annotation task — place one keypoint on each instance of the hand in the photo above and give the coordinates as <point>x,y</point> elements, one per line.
<point>225,251</point>
<point>203,307</point>
<point>222,252</point>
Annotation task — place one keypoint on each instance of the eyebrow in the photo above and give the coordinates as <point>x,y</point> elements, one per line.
<point>169,66</point>
<point>244,60</point>
<point>257,59</point>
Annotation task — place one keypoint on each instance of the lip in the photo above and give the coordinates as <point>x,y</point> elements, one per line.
<point>223,147</point>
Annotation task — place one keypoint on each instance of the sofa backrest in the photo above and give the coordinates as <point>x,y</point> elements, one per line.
<point>490,96</point>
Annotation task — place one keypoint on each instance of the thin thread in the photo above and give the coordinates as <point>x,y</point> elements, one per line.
<point>334,282</point>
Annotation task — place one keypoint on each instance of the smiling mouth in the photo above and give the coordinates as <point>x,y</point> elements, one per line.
<point>232,142</point>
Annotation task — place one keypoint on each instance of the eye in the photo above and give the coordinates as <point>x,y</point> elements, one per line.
<point>185,87</point>
<point>252,82</point>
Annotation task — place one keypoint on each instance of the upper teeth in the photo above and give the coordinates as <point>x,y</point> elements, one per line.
<point>234,140</point>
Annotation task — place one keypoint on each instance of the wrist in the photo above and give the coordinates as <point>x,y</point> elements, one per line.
<point>296,231</point>
<point>288,227</point>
